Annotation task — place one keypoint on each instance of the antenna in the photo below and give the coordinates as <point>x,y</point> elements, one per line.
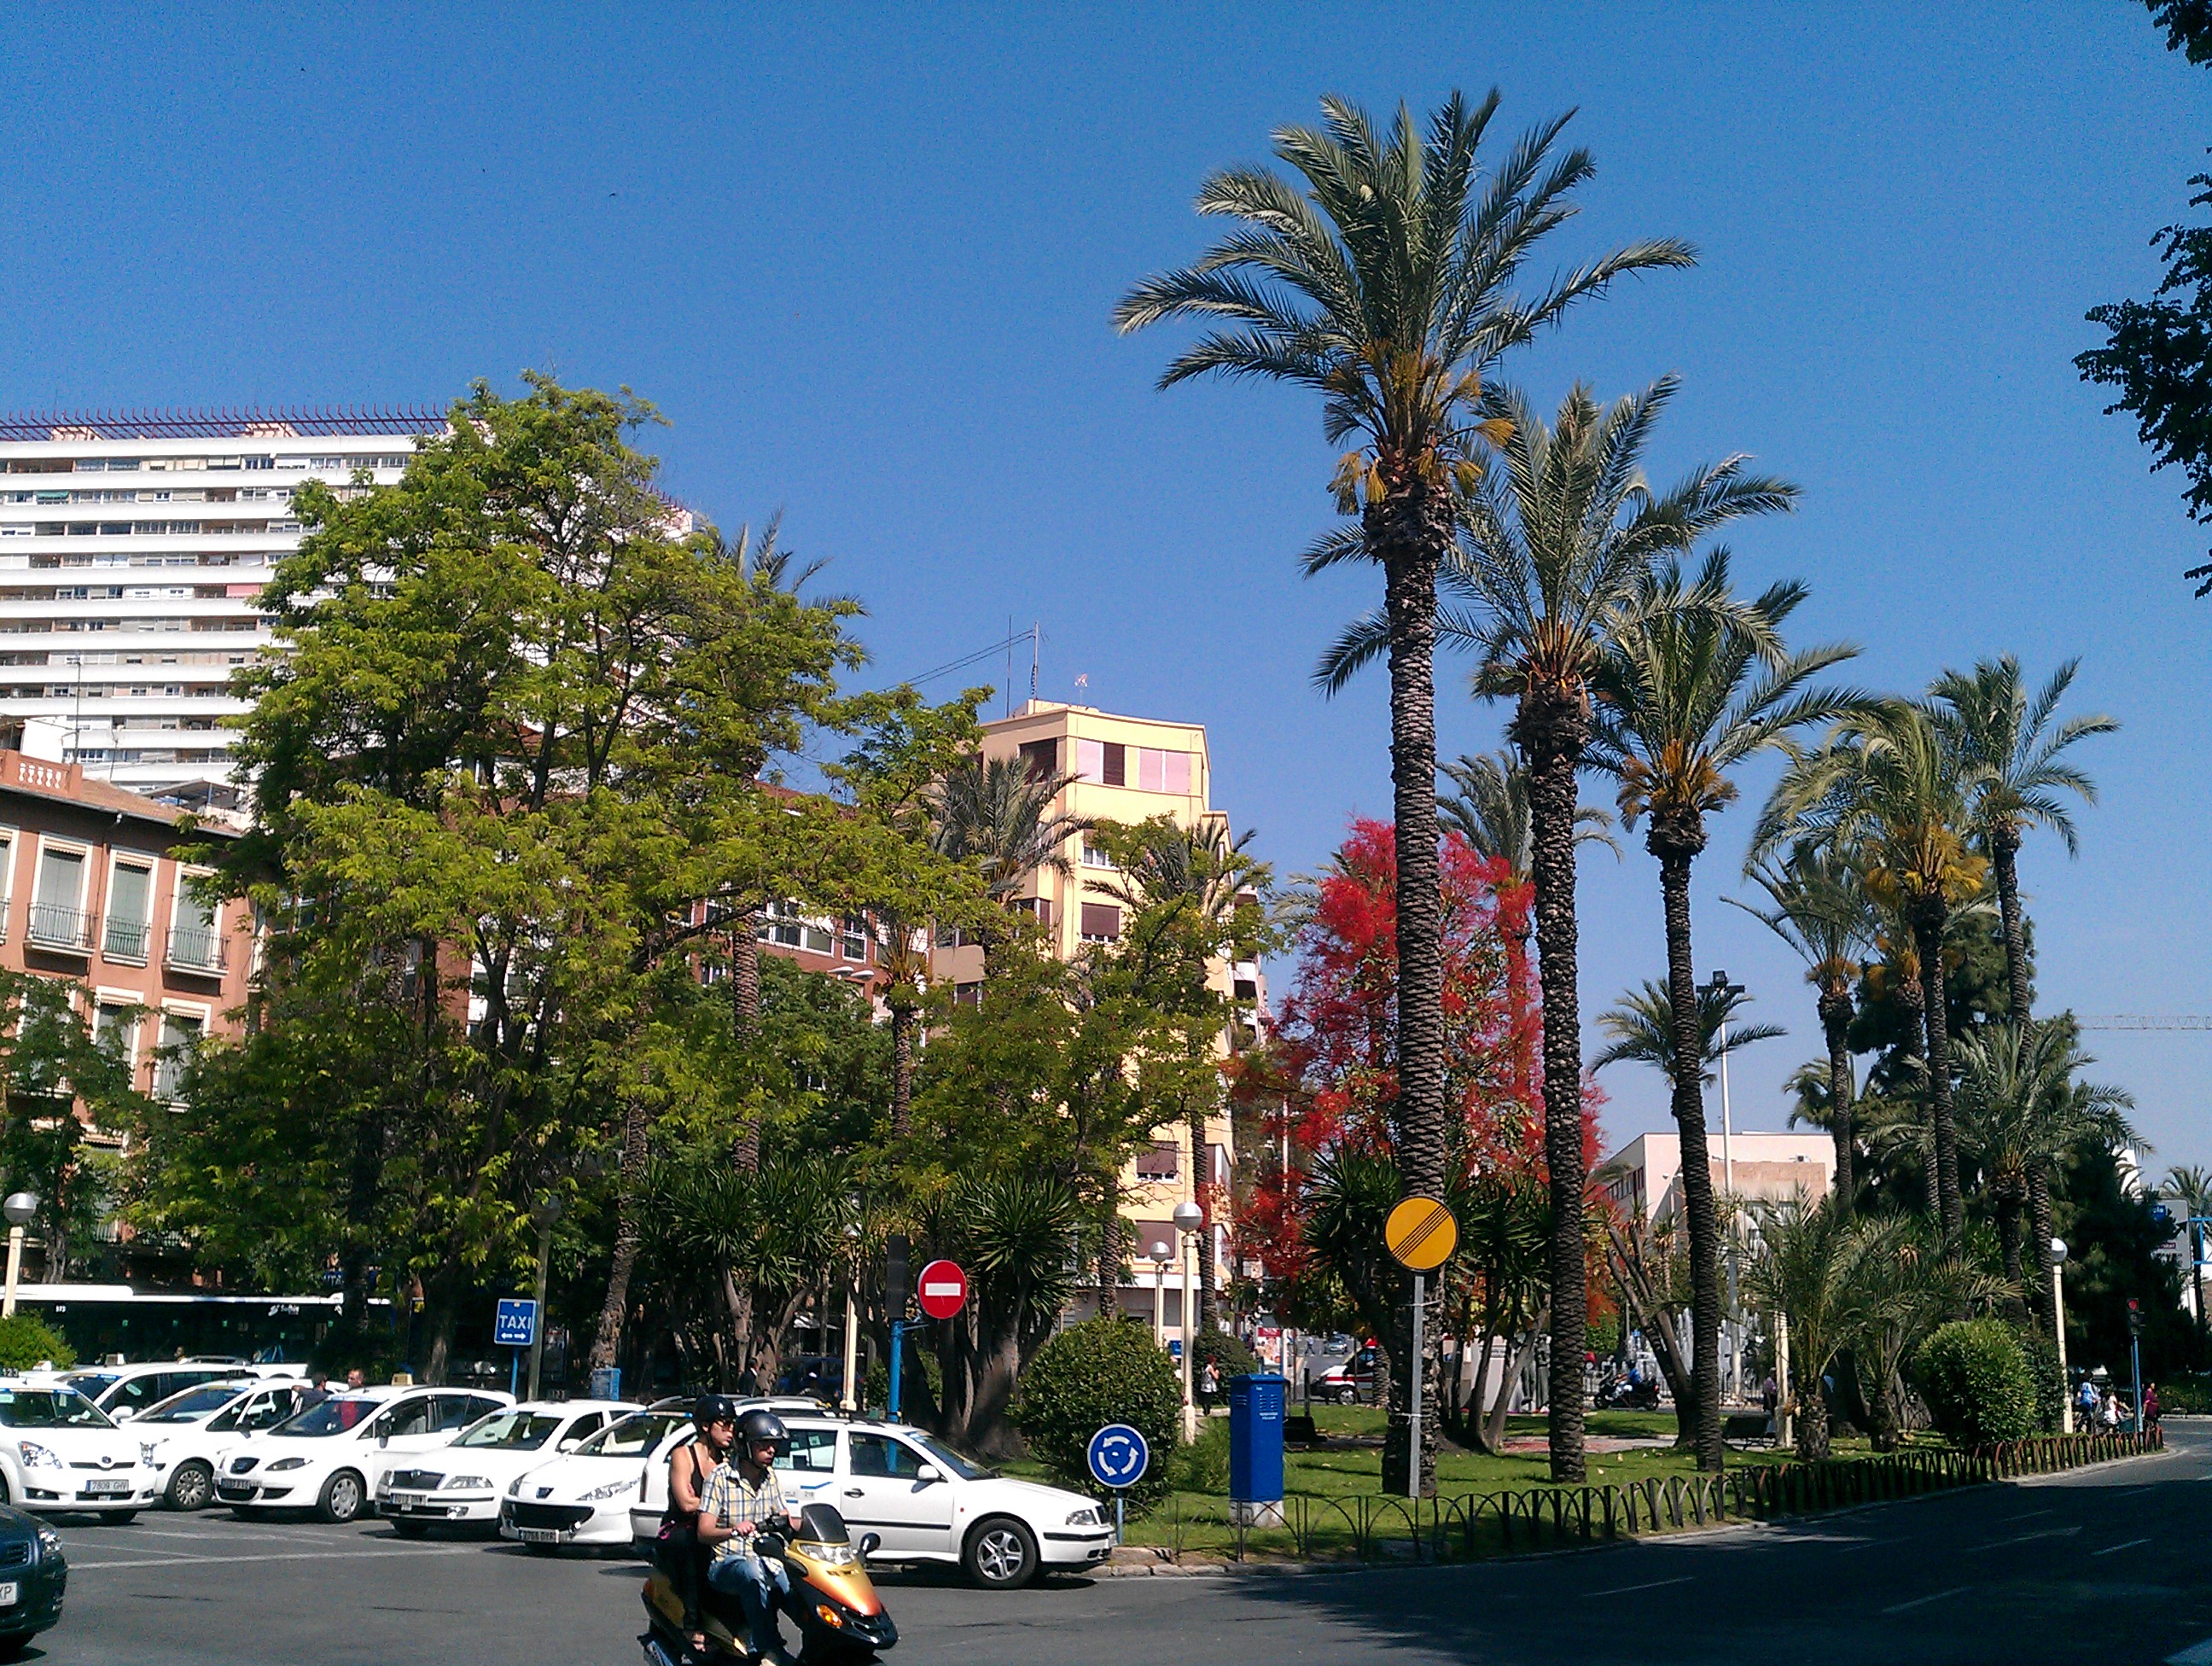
<point>1033,659</point>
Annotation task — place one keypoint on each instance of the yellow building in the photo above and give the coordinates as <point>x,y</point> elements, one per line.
<point>1127,769</point>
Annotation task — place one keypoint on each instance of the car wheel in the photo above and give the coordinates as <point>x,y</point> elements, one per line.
<point>411,1529</point>
<point>342,1498</point>
<point>119,1518</point>
<point>1347,1395</point>
<point>1001,1554</point>
<point>191,1486</point>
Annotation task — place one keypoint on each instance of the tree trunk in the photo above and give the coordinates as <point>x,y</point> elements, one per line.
<point>1674,847</point>
<point>2007,1214</point>
<point>902,1016</point>
<point>1657,1319</point>
<point>1493,1424</point>
<point>2004,849</point>
<point>1835,1008</point>
<point>1201,1186</point>
<point>2039,1218</point>
<point>1409,530</point>
<point>745,1018</point>
<point>1811,1421</point>
<point>1935,1015</point>
<point>1552,732</point>
<point>606,1340</point>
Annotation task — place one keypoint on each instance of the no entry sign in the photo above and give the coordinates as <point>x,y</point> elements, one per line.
<point>942,1289</point>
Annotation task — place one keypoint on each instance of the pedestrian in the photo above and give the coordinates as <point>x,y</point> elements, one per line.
<point>2110,1413</point>
<point>355,1379</point>
<point>317,1391</point>
<point>2150,1406</point>
<point>2084,1405</point>
<point>1209,1384</point>
<point>1769,1394</point>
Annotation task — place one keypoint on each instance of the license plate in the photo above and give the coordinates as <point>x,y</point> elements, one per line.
<point>409,1500</point>
<point>538,1536</point>
<point>107,1486</point>
<point>10,1594</point>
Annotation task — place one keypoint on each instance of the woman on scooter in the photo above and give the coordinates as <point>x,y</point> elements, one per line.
<point>742,1498</point>
<point>690,1466</point>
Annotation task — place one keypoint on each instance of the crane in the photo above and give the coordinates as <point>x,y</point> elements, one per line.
<point>2143,1021</point>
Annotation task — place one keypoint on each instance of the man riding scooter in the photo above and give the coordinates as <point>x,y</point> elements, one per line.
<point>742,1498</point>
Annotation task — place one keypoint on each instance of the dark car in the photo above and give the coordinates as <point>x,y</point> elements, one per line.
<point>33,1575</point>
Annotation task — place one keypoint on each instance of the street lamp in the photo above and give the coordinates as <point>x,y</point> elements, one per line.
<point>1159,1255</point>
<point>849,1398</point>
<point>543,1215</point>
<point>2058,1325</point>
<point>1725,993</point>
<point>18,1208</point>
<point>1190,1218</point>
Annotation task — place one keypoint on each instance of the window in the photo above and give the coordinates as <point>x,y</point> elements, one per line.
<point>968,994</point>
<point>129,912</point>
<point>778,926</point>
<point>1101,922</point>
<point>813,1451</point>
<point>1161,1163</point>
<point>815,940</point>
<point>1040,758</point>
<point>58,919</point>
<point>1149,769</point>
<point>880,1456</point>
<point>195,941</point>
<point>180,1034</point>
<point>1039,909</point>
<point>855,941</point>
<point>115,1027</point>
<point>1094,857</point>
<point>410,1417</point>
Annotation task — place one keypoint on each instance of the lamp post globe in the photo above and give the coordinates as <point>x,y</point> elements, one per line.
<point>19,1207</point>
<point>1188,1217</point>
<point>2058,1250</point>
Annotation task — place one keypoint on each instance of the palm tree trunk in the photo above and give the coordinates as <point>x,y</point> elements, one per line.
<point>629,1233</point>
<point>2008,1214</point>
<point>1936,1015</point>
<point>1812,1422</point>
<point>745,1018</point>
<point>2039,1215</point>
<point>1835,1028</point>
<point>2004,848</point>
<point>1409,530</point>
<point>1200,1186</point>
<point>901,1068</point>
<point>1697,1172</point>
<point>1552,734</point>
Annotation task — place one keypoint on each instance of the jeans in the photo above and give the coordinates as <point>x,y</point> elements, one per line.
<point>743,1575</point>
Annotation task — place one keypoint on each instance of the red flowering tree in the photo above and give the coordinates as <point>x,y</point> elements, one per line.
<point>1327,1086</point>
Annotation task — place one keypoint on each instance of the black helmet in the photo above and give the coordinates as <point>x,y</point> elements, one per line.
<point>713,1408</point>
<point>756,1426</point>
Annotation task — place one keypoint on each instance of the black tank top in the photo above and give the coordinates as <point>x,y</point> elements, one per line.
<point>672,1515</point>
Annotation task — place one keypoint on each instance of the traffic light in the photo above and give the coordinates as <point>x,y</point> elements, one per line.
<point>2135,1317</point>
<point>898,1282</point>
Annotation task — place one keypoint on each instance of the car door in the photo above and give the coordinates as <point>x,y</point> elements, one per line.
<point>884,1494</point>
<point>809,1469</point>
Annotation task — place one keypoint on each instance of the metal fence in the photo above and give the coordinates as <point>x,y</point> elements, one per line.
<point>1371,1526</point>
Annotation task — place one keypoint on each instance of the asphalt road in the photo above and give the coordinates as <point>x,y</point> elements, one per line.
<point>2108,1566</point>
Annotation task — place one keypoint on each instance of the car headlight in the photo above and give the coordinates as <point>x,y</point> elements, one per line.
<point>50,1544</point>
<point>608,1490</point>
<point>288,1463</point>
<point>515,1487</point>
<point>146,1452</point>
<point>36,1457</point>
<point>1083,1519</point>
<point>467,1484</point>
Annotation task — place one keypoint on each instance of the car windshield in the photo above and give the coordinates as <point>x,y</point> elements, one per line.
<point>93,1384</point>
<point>193,1404</point>
<point>512,1431</point>
<point>333,1417</point>
<point>50,1408</point>
<point>634,1437</point>
<point>959,1464</point>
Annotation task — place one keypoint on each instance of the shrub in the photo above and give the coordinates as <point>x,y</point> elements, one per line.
<point>1977,1382</point>
<point>2184,1394</point>
<point>2049,1376</point>
<point>1101,1372</point>
<point>1203,1466</point>
<point>1229,1356</point>
<point>26,1342</point>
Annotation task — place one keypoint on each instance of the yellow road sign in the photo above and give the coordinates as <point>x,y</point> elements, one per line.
<point>1421,1233</point>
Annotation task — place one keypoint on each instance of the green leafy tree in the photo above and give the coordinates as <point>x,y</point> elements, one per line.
<point>1383,278</point>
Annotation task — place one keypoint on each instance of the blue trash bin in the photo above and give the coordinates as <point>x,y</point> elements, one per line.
<point>1256,1405</point>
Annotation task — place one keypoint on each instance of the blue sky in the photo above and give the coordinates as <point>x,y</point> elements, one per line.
<point>865,265</point>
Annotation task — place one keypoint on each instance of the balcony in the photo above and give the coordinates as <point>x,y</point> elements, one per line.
<point>125,940</point>
<point>53,926</point>
<point>196,949</point>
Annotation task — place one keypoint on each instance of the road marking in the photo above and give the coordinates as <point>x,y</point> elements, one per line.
<point>1922,1601</point>
<point>2201,1655</point>
<point>2113,1550</point>
<point>2025,1538</point>
<point>1648,1584</point>
<point>163,1560</point>
<point>2031,1515</point>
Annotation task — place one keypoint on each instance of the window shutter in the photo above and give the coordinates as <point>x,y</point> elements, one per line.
<point>1101,922</point>
<point>1116,762</point>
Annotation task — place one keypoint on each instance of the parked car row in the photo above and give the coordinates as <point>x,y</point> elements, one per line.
<point>543,1475</point>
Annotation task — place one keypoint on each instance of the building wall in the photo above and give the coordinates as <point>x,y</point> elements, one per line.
<point>1645,1174</point>
<point>133,555</point>
<point>70,909</point>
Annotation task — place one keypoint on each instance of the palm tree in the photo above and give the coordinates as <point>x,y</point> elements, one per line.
<point>1903,1287</point>
<point>1642,1025</point>
<point>1807,1269</point>
<point>1691,685</point>
<point>1489,809</point>
<point>1887,789</point>
<point>1552,555</point>
<point>2192,1188</point>
<point>2012,755</point>
<point>1383,279</point>
<point>2020,1112</point>
<point>904,948</point>
<point>1821,911</point>
<point>998,814</point>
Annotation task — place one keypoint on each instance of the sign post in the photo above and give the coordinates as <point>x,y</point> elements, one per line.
<point>515,1325</point>
<point>1118,1458</point>
<point>940,1292</point>
<point>1420,1234</point>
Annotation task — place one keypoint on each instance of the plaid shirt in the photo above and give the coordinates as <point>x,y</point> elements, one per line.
<point>729,1498</point>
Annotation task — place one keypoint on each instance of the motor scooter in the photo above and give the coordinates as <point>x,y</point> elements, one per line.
<point>831,1600</point>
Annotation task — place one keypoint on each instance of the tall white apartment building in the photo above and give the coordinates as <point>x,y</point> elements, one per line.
<point>132,554</point>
